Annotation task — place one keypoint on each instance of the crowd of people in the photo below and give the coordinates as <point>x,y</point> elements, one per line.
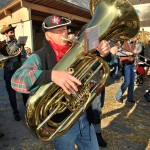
<point>37,69</point>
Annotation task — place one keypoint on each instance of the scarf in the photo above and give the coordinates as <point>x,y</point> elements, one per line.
<point>59,50</point>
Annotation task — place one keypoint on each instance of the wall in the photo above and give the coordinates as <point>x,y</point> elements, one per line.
<point>23,24</point>
<point>38,35</point>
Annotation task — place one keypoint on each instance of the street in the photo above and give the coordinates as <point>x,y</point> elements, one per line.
<point>124,126</point>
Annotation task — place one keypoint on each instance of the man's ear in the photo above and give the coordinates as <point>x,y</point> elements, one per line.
<point>47,35</point>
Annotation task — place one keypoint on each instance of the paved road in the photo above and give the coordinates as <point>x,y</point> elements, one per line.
<point>125,126</point>
<point>17,135</point>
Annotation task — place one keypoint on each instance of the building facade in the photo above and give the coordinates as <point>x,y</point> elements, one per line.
<point>28,15</point>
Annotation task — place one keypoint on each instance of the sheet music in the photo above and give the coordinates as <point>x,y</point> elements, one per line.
<point>91,38</point>
<point>22,40</point>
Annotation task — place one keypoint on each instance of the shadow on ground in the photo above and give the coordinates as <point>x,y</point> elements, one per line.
<point>127,126</point>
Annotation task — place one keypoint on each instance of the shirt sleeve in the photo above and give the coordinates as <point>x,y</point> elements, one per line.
<point>24,80</point>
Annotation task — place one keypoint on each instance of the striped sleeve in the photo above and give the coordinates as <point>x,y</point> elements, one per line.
<point>24,78</point>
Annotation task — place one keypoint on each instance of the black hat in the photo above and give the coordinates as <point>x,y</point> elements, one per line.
<point>54,21</point>
<point>7,28</point>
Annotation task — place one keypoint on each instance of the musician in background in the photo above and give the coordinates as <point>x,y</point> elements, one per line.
<point>37,70</point>
<point>28,51</point>
<point>10,67</point>
<point>98,104</point>
<point>71,33</point>
<point>128,67</point>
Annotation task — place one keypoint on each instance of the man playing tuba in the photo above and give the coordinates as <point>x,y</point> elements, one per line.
<point>37,70</point>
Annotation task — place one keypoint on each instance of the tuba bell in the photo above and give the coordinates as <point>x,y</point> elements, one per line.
<point>12,50</point>
<point>50,112</point>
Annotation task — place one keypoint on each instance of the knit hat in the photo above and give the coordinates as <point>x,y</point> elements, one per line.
<point>54,21</point>
<point>7,28</point>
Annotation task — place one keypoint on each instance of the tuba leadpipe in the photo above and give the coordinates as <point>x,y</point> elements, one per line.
<point>115,18</point>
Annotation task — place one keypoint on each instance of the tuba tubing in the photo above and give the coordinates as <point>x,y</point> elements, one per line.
<point>50,112</point>
<point>12,49</point>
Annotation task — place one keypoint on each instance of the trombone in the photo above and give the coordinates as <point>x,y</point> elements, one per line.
<point>136,55</point>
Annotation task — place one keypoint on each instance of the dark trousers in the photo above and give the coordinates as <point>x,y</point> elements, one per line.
<point>12,93</point>
<point>25,98</point>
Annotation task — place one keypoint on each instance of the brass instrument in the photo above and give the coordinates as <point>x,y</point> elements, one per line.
<point>50,111</point>
<point>136,55</point>
<point>12,49</point>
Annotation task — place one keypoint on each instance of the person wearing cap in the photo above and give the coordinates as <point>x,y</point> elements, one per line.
<point>10,67</point>
<point>37,70</point>
<point>71,33</point>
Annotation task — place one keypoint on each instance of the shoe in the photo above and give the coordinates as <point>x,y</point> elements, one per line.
<point>17,117</point>
<point>1,135</point>
<point>131,101</point>
<point>118,100</point>
<point>100,140</point>
<point>147,97</point>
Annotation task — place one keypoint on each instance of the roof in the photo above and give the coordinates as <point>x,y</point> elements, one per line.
<point>43,8</point>
<point>3,3</point>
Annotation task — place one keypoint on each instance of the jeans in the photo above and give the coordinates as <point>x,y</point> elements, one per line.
<point>97,104</point>
<point>96,107</point>
<point>81,133</point>
<point>129,77</point>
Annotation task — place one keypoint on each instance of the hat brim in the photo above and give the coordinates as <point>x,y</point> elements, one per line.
<point>4,30</point>
<point>44,30</point>
<point>47,28</point>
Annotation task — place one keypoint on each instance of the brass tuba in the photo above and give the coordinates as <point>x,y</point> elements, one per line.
<point>12,50</point>
<point>50,111</point>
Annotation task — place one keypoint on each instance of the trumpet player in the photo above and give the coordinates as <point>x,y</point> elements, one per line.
<point>37,70</point>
